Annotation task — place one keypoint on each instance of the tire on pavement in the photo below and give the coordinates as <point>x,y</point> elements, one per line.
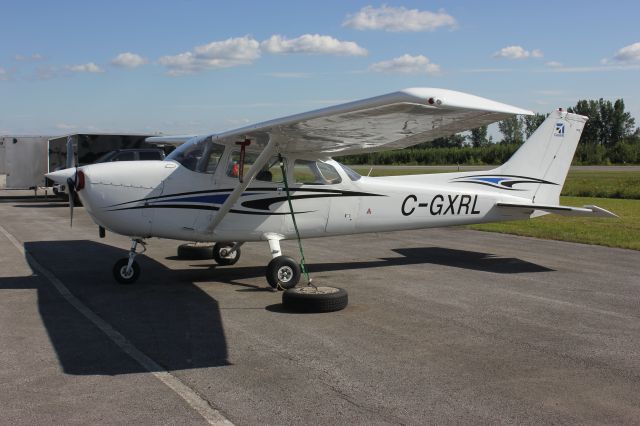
<point>310,299</point>
<point>195,251</point>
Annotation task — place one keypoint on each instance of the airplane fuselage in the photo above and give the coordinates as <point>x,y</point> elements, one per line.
<point>164,199</point>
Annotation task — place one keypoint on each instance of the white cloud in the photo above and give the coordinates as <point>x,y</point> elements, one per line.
<point>34,57</point>
<point>218,54</point>
<point>517,52</point>
<point>89,67</point>
<point>630,53</point>
<point>407,64</point>
<point>312,44</point>
<point>128,60</point>
<point>4,74</point>
<point>536,53</point>
<point>398,19</point>
<point>553,64</point>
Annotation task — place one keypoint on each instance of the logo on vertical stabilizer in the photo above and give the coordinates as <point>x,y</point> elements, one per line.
<point>559,130</point>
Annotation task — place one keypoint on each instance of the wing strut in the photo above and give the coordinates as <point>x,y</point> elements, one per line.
<point>237,192</point>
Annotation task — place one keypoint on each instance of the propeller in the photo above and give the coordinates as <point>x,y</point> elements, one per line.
<point>74,179</point>
<point>71,186</point>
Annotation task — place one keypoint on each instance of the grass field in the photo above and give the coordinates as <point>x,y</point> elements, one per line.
<point>603,184</point>
<point>623,232</point>
<point>580,183</point>
<point>616,191</point>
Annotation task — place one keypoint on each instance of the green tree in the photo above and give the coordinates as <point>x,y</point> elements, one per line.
<point>608,122</point>
<point>532,122</point>
<point>622,124</point>
<point>478,137</point>
<point>511,129</point>
<point>591,133</point>
<point>456,140</point>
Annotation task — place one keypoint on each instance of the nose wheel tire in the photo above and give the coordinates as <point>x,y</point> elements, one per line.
<point>283,273</point>
<point>121,274</point>
<point>315,299</point>
<point>195,251</point>
<point>223,255</point>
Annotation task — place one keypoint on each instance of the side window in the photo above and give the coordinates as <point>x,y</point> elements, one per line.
<point>210,158</point>
<point>270,172</point>
<point>315,173</point>
<point>330,174</point>
<point>306,172</point>
<point>353,175</point>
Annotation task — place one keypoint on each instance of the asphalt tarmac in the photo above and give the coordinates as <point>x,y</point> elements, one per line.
<point>443,326</point>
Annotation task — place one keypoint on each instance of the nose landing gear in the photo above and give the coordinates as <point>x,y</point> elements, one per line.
<point>226,253</point>
<point>127,270</point>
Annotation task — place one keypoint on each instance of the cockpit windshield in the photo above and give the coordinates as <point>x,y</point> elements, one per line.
<point>202,156</point>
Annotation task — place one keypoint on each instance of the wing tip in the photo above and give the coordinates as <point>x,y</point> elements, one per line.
<point>456,99</point>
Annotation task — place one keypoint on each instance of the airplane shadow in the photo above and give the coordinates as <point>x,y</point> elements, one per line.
<point>172,321</point>
<point>477,261</point>
<point>165,315</point>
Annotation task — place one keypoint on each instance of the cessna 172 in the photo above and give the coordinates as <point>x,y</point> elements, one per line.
<point>202,192</point>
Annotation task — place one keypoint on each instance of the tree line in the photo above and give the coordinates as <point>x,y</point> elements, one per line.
<point>610,136</point>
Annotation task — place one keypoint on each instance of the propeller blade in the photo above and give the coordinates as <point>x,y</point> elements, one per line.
<point>71,186</point>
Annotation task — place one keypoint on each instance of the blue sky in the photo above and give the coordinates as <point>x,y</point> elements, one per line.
<point>204,66</point>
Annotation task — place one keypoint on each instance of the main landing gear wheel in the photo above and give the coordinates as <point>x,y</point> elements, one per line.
<point>195,251</point>
<point>224,255</point>
<point>283,273</point>
<point>315,299</point>
<point>124,276</point>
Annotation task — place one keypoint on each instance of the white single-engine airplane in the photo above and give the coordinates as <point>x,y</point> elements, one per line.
<point>202,192</point>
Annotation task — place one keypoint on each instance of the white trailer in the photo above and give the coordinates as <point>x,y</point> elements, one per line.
<point>23,161</point>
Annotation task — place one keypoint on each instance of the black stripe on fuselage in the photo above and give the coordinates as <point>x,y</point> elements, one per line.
<point>333,192</point>
<point>201,207</point>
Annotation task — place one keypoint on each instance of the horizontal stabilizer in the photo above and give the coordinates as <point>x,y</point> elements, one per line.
<point>530,208</point>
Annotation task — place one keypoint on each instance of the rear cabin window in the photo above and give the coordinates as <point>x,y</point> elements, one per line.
<point>353,175</point>
<point>315,173</point>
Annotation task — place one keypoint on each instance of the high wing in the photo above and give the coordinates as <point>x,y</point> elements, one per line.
<point>395,120</point>
<point>172,140</point>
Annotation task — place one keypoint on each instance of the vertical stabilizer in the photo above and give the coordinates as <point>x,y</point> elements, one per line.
<point>546,157</point>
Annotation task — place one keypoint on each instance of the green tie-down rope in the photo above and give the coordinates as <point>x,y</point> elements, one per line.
<point>303,263</point>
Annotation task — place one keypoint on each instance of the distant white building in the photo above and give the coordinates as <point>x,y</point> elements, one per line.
<point>23,161</point>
